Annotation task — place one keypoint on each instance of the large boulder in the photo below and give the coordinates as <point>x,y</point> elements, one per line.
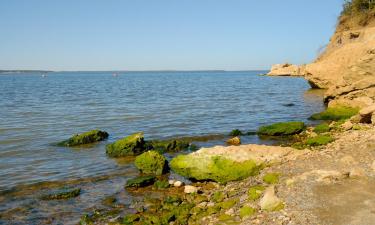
<point>282,129</point>
<point>151,162</point>
<point>216,168</point>
<point>129,146</point>
<point>172,145</point>
<point>85,138</point>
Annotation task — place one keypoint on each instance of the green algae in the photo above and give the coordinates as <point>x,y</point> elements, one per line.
<point>271,178</point>
<point>235,133</point>
<point>85,138</point>
<point>218,196</point>
<point>151,162</point>
<point>322,128</point>
<point>161,184</point>
<point>62,194</point>
<point>228,204</point>
<point>247,211</point>
<point>282,129</point>
<point>255,192</point>
<point>225,217</point>
<point>319,140</point>
<point>174,145</point>
<point>216,168</point>
<point>140,181</point>
<point>335,113</point>
<point>128,146</point>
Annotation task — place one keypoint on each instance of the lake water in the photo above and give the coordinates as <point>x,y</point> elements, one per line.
<point>38,111</point>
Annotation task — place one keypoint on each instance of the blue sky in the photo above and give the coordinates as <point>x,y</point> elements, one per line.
<point>162,34</point>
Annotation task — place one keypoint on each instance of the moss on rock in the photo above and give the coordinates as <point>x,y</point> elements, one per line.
<point>161,184</point>
<point>151,162</point>
<point>64,193</point>
<point>335,113</point>
<point>235,133</point>
<point>247,211</point>
<point>282,129</point>
<point>174,145</point>
<point>271,178</point>
<point>218,196</point>
<point>319,140</point>
<point>128,146</point>
<point>255,192</point>
<point>140,181</point>
<point>216,168</point>
<point>321,128</point>
<point>85,138</point>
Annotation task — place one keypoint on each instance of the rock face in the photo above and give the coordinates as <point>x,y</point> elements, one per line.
<point>287,69</point>
<point>151,162</point>
<point>85,138</point>
<point>128,146</point>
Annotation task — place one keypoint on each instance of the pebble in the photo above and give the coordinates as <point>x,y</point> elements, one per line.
<point>171,182</point>
<point>178,183</point>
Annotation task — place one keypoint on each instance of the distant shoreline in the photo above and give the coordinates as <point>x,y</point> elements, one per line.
<point>120,71</point>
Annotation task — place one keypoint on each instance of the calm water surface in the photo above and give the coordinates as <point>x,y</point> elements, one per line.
<point>38,111</point>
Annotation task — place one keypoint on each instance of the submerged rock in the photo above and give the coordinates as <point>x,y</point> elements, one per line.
<point>140,181</point>
<point>216,168</point>
<point>282,129</point>
<point>235,133</point>
<point>62,194</point>
<point>174,145</point>
<point>151,162</point>
<point>128,146</point>
<point>85,138</point>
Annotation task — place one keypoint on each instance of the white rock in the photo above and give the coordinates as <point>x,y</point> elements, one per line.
<point>367,111</point>
<point>171,182</point>
<point>269,201</point>
<point>190,189</point>
<point>178,183</point>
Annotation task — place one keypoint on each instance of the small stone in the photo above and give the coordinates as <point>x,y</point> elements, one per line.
<point>178,183</point>
<point>289,182</point>
<point>234,141</point>
<point>270,202</point>
<point>347,125</point>
<point>171,182</point>
<point>190,189</point>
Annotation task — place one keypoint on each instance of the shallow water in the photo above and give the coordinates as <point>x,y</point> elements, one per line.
<point>38,111</point>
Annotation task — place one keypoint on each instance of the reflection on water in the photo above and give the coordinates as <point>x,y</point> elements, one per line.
<point>37,112</point>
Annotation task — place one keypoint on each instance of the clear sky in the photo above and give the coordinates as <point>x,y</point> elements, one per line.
<point>162,34</point>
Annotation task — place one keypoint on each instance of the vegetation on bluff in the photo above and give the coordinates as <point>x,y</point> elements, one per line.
<point>357,12</point>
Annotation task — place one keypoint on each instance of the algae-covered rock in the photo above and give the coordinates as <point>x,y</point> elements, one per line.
<point>282,129</point>
<point>335,113</point>
<point>246,211</point>
<point>319,140</point>
<point>85,138</point>
<point>140,181</point>
<point>216,168</point>
<point>235,133</point>
<point>131,219</point>
<point>271,178</point>
<point>255,192</point>
<point>151,162</point>
<point>161,184</point>
<point>322,128</point>
<point>128,146</point>
<point>175,145</point>
<point>65,193</point>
